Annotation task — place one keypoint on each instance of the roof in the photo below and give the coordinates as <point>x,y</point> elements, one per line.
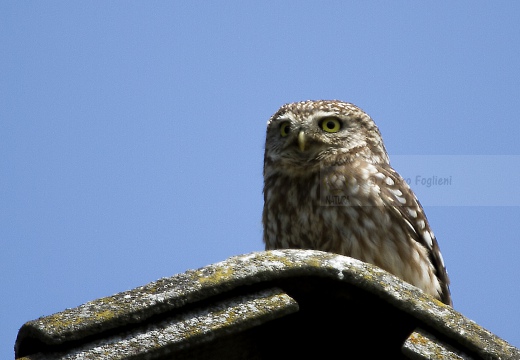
<point>264,305</point>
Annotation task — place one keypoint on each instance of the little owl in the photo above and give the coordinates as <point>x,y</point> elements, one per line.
<point>328,185</point>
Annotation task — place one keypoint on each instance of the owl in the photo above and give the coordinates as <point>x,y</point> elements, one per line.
<point>328,185</point>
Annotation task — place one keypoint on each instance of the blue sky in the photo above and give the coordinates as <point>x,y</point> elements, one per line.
<point>132,135</point>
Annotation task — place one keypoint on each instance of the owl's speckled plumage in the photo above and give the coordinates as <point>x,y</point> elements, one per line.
<point>328,185</point>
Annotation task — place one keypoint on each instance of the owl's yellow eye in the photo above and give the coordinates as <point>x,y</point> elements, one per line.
<point>330,124</point>
<point>285,128</point>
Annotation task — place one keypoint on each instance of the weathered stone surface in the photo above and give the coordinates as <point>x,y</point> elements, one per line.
<point>423,346</point>
<point>121,321</point>
<point>193,327</point>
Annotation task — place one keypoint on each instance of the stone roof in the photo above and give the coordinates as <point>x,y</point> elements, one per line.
<point>276,304</point>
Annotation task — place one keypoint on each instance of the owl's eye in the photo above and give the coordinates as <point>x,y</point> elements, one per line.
<point>330,124</point>
<point>285,128</point>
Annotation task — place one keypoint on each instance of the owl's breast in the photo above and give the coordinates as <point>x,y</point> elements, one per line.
<point>329,211</point>
<point>308,213</point>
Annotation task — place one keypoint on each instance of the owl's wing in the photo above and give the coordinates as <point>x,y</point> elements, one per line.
<point>404,206</point>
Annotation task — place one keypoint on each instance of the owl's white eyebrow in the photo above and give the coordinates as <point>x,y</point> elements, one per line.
<point>286,116</point>
<point>317,115</point>
<point>321,114</point>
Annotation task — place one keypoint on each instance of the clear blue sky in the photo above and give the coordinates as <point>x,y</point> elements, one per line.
<point>132,135</point>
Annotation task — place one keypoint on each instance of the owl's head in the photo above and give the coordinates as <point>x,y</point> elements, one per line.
<point>304,136</point>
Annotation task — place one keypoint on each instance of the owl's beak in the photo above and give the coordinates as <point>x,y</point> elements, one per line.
<point>301,140</point>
